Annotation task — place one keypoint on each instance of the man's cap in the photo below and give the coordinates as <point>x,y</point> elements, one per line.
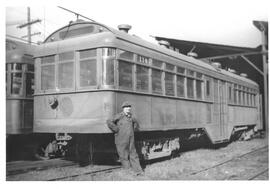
<point>126,104</point>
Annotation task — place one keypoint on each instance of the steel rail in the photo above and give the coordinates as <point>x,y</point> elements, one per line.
<point>39,168</point>
<point>86,173</point>
<point>227,161</point>
<point>258,174</point>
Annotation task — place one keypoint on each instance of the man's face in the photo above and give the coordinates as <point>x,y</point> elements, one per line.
<point>127,110</point>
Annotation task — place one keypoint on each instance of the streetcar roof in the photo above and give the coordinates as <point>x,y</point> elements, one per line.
<point>111,34</point>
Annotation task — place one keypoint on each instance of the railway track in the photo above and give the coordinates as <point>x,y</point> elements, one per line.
<point>91,172</point>
<point>20,167</point>
<point>254,177</point>
<point>71,171</point>
<point>237,158</point>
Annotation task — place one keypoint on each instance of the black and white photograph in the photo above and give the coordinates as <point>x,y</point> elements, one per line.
<point>126,90</point>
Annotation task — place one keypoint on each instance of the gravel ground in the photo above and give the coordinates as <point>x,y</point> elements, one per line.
<point>174,169</point>
<point>180,168</point>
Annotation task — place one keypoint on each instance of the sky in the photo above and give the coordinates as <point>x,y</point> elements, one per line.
<point>227,22</point>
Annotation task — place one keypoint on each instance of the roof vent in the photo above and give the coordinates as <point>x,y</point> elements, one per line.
<point>232,70</point>
<point>164,43</point>
<point>216,65</point>
<point>124,27</point>
<point>192,54</point>
<point>243,75</point>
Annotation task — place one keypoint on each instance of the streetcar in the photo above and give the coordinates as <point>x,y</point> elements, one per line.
<point>21,142</point>
<point>19,95</point>
<point>85,70</point>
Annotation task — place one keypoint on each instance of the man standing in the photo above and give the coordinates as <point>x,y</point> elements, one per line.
<point>123,125</point>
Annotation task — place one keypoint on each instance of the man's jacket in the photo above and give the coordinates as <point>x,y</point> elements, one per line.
<point>123,126</point>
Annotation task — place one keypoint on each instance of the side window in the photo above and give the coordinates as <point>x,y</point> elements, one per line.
<point>169,80</point>
<point>190,87</point>
<point>190,84</point>
<point>235,94</point>
<point>125,75</point>
<point>208,88</point>
<point>88,68</point>
<point>199,89</point>
<point>142,73</point>
<point>244,96</point>
<point>248,97</point>
<point>239,95</point>
<point>230,95</point>
<point>180,86</point>
<point>156,81</point>
<point>169,84</point>
<point>199,85</point>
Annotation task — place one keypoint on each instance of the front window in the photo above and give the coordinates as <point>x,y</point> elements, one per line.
<point>88,75</point>
<point>65,76</point>
<point>48,72</point>
<point>48,77</point>
<point>65,70</point>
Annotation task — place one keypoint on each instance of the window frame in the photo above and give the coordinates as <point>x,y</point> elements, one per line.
<point>78,66</point>
<point>209,97</point>
<point>132,75</point>
<point>148,80</point>
<point>61,62</point>
<point>39,62</point>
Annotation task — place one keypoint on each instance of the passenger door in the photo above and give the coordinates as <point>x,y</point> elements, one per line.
<point>220,112</point>
<point>223,110</point>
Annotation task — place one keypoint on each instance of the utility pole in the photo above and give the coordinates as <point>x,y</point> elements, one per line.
<point>29,24</point>
<point>263,27</point>
<point>265,80</point>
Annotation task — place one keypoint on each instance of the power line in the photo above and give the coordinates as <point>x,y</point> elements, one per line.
<point>28,24</point>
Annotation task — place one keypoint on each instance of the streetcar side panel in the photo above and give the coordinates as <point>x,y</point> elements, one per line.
<point>162,114</point>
